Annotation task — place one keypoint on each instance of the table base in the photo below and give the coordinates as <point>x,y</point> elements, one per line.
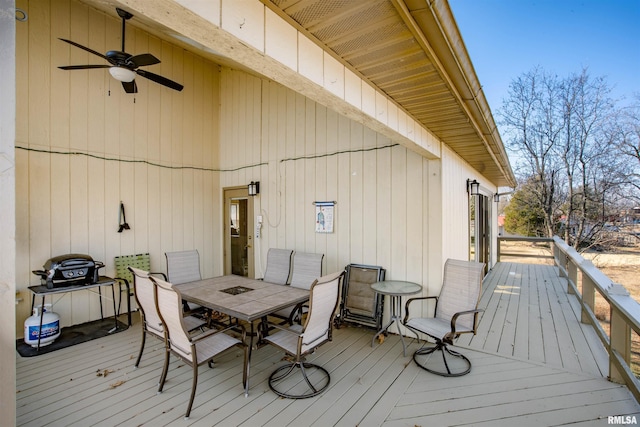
<point>396,310</point>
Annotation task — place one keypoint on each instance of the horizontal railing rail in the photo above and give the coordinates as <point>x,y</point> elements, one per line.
<point>585,281</point>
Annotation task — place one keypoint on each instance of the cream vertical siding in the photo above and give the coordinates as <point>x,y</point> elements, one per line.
<point>156,151</point>
<point>302,152</point>
<point>83,145</point>
<point>7,215</point>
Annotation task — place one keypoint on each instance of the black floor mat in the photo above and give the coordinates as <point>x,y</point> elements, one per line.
<point>72,335</point>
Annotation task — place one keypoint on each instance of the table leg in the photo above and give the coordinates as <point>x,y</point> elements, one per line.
<point>40,329</point>
<point>386,327</point>
<point>100,296</point>
<point>396,310</point>
<point>251,334</point>
<point>115,317</point>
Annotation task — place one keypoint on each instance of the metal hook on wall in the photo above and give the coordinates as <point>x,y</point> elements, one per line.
<point>122,219</point>
<point>21,15</point>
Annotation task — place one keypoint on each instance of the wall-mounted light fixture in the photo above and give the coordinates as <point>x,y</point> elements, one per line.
<point>473,187</point>
<point>254,188</point>
<point>496,197</point>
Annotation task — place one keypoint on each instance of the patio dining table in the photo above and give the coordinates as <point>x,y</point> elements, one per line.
<point>244,299</point>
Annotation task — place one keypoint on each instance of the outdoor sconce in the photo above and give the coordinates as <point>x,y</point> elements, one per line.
<point>254,188</point>
<point>496,196</point>
<point>473,187</point>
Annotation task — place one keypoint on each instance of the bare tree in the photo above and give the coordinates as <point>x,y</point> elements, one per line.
<point>560,132</point>
<point>627,134</point>
<point>531,127</point>
<point>586,109</point>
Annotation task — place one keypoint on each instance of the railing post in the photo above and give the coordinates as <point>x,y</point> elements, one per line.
<point>588,298</point>
<point>620,342</point>
<point>572,276</point>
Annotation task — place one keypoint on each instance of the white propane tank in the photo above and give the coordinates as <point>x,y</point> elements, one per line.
<point>50,327</point>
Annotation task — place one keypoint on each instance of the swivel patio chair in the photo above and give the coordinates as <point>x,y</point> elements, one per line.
<point>193,350</point>
<point>298,341</point>
<point>151,323</point>
<point>456,312</point>
<point>278,266</point>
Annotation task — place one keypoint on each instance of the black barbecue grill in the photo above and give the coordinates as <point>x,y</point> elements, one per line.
<point>69,270</point>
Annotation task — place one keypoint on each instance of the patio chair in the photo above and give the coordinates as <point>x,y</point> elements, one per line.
<point>183,267</point>
<point>361,304</point>
<point>193,350</point>
<point>456,313</point>
<point>151,323</point>
<point>278,266</point>
<point>298,341</point>
<point>306,268</point>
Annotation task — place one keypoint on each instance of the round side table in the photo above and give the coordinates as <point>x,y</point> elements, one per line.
<point>396,289</point>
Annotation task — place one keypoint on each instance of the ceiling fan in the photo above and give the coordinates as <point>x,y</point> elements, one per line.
<point>123,66</point>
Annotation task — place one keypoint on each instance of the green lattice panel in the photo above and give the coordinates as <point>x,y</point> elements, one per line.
<point>140,261</point>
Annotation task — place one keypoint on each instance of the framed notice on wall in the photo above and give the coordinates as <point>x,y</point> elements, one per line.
<point>324,216</point>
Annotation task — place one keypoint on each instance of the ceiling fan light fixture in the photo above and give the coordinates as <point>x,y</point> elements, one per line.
<point>122,74</point>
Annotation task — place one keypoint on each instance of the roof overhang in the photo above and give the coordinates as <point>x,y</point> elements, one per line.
<point>409,50</point>
<point>413,52</point>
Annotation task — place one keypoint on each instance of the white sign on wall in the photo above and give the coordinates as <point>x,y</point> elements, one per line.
<point>324,216</point>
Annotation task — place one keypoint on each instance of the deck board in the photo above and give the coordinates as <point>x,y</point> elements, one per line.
<point>534,364</point>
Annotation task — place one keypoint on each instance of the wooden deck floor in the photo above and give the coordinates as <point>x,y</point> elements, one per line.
<point>524,373</point>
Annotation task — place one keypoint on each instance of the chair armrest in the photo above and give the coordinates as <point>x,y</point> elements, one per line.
<point>462,313</point>
<point>299,308</point>
<point>409,301</point>
<point>285,329</point>
<point>164,276</point>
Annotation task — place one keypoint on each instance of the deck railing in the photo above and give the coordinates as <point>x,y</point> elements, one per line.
<point>586,282</point>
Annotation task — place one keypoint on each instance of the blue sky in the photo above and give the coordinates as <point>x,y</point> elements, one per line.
<point>506,38</point>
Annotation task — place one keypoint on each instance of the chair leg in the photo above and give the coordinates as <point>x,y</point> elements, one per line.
<point>306,378</point>
<point>448,370</point>
<point>144,337</point>
<point>193,389</point>
<point>284,371</point>
<point>165,369</point>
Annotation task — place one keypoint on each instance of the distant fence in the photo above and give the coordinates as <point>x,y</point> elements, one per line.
<point>583,276</point>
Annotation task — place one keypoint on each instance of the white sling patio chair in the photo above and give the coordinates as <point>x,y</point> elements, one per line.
<point>184,267</point>
<point>298,341</point>
<point>151,323</point>
<point>456,313</point>
<point>278,266</point>
<point>193,350</point>
<point>307,267</point>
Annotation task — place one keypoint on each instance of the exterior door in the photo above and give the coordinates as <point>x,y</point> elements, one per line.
<point>238,232</point>
<point>480,229</point>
